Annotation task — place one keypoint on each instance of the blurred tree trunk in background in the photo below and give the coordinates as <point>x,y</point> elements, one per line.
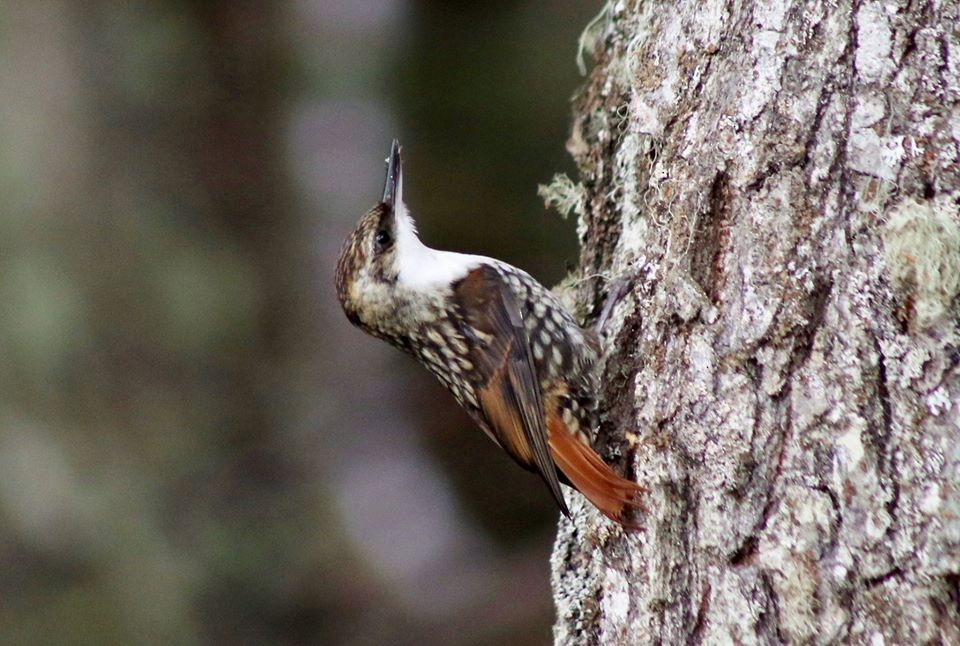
<point>779,185</point>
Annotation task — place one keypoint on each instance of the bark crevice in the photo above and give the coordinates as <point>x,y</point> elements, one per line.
<point>771,376</point>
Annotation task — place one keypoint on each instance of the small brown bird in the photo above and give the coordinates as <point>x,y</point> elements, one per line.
<point>506,348</point>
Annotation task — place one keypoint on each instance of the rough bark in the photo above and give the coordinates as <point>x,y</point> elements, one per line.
<point>777,186</point>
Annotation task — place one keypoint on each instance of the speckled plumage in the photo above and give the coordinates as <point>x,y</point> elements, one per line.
<point>499,341</point>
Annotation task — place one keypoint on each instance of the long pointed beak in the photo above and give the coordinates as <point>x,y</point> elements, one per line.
<point>393,185</point>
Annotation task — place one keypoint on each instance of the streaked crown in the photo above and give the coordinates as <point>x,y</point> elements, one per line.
<point>367,266</point>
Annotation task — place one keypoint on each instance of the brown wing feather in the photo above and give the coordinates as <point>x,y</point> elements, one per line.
<point>509,395</point>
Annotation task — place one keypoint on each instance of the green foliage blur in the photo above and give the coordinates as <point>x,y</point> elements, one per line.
<point>195,446</point>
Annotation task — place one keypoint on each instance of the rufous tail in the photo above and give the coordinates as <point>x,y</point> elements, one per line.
<point>610,493</point>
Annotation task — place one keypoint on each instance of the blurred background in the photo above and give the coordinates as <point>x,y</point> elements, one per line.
<point>195,446</point>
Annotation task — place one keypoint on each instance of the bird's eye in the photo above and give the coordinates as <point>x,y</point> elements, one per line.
<point>382,238</point>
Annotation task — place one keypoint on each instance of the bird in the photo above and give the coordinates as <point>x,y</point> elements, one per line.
<point>498,340</point>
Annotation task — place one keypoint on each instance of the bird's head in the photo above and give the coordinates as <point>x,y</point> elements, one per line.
<point>373,256</point>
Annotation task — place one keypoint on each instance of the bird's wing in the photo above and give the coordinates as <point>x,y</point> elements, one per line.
<point>508,390</point>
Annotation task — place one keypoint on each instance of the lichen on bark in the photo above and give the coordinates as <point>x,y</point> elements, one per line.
<point>778,183</point>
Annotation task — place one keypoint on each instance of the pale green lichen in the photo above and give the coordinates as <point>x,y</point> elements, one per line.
<point>567,292</point>
<point>564,195</point>
<point>922,247</point>
<point>592,35</point>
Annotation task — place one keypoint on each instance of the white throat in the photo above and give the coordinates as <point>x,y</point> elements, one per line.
<point>418,266</point>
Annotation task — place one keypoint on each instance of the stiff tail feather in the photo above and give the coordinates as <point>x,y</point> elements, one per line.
<point>610,493</point>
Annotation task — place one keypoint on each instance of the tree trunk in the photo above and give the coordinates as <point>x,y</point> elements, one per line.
<point>770,192</point>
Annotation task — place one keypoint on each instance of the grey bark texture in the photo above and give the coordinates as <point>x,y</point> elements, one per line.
<point>775,189</point>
